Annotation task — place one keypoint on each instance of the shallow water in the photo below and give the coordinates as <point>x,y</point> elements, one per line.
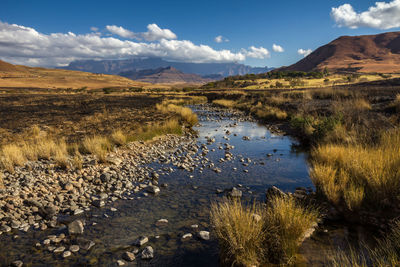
<point>186,201</point>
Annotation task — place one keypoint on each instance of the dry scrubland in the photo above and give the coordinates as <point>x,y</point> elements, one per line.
<point>354,136</point>
<point>64,127</point>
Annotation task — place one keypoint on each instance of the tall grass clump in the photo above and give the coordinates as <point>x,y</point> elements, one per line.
<point>255,236</point>
<point>186,113</point>
<point>356,175</point>
<point>287,224</point>
<point>12,155</point>
<point>224,103</point>
<point>98,146</point>
<point>269,113</point>
<point>239,232</point>
<point>118,138</point>
<point>171,126</point>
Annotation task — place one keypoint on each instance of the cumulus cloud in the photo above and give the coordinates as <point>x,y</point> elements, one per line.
<point>381,16</point>
<point>277,48</point>
<point>257,52</point>
<point>94,29</point>
<point>25,45</point>
<point>153,33</point>
<point>118,30</point>
<point>156,33</point>
<point>220,39</point>
<point>304,52</point>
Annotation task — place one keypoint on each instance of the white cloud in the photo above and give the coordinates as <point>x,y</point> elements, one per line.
<point>220,39</point>
<point>94,29</point>
<point>118,30</point>
<point>257,52</point>
<point>154,33</point>
<point>304,52</point>
<point>381,16</point>
<point>277,48</point>
<point>25,45</point>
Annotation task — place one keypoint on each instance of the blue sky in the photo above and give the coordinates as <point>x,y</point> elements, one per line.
<point>293,25</point>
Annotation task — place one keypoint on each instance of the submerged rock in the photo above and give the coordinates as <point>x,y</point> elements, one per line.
<point>205,235</point>
<point>148,253</point>
<point>76,227</point>
<point>128,256</point>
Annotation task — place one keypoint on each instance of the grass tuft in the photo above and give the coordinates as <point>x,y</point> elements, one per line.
<point>98,146</point>
<point>354,175</point>
<point>252,236</point>
<point>239,234</point>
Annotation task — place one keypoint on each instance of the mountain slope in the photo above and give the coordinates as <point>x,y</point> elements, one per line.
<point>136,64</point>
<point>21,76</point>
<point>367,53</point>
<point>164,75</point>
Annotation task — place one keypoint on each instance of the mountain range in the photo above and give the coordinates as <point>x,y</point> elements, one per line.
<point>209,70</point>
<point>367,53</point>
<point>165,75</point>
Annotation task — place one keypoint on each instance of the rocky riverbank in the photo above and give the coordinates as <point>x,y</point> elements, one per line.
<point>34,195</point>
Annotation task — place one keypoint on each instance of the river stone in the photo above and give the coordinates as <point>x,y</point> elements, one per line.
<point>128,256</point>
<point>74,248</point>
<point>153,189</point>
<point>98,203</point>
<point>105,177</point>
<point>234,192</point>
<point>5,228</point>
<point>141,241</point>
<point>205,235</point>
<point>86,244</point>
<point>187,236</point>
<point>66,254</point>
<point>59,249</point>
<point>162,222</point>
<point>274,191</point>
<point>17,263</point>
<point>76,227</point>
<point>148,253</point>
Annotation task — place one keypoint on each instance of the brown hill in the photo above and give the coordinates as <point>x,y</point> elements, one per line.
<point>368,53</point>
<point>164,75</point>
<point>13,76</point>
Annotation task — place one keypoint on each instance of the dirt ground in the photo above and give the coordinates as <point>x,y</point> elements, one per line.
<point>74,116</point>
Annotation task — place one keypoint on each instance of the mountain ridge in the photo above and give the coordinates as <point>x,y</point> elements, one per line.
<point>202,69</point>
<point>365,53</point>
<point>164,75</point>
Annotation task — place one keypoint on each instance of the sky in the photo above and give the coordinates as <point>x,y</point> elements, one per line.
<point>253,32</point>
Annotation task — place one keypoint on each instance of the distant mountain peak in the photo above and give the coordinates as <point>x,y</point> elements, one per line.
<point>367,53</point>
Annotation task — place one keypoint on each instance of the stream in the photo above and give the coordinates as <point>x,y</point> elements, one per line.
<point>263,160</point>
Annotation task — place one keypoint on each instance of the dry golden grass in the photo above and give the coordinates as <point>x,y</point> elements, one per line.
<point>239,233</point>
<point>171,126</point>
<point>12,155</point>
<point>288,223</point>
<point>184,112</point>
<point>273,237</point>
<point>224,103</point>
<point>267,112</point>
<point>40,146</point>
<point>118,138</point>
<point>354,174</point>
<point>98,146</point>
<point>55,78</point>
